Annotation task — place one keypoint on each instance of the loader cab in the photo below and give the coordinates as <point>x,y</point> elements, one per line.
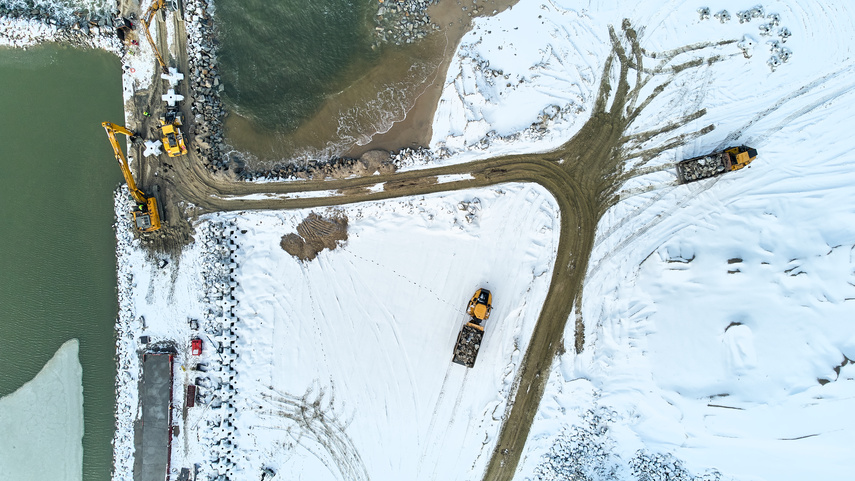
<point>481,304</point>
<point>741,156</point>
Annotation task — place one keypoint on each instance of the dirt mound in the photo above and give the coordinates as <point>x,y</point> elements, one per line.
<point>315,234</point>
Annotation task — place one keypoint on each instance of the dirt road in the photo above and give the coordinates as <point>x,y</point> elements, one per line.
<point>582,176</point>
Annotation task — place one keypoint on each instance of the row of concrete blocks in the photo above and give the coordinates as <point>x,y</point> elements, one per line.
<point>221,327</point>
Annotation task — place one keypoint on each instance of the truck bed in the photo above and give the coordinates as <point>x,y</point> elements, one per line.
<point>468,343</point>
<point>703,167</point>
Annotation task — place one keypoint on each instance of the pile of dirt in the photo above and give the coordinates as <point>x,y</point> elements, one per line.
<point>315,234</point>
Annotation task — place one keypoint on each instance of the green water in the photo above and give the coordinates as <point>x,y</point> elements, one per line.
<point>281,58</point>
<point>58,262</point>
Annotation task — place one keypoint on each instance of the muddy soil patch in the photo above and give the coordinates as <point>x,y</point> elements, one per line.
<point>315,234</point>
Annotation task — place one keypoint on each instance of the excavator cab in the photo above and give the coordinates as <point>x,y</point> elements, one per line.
<point>481,305</point>
<point>146,216</point>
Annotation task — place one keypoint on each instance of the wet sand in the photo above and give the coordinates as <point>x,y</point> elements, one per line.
<point>389,106</point>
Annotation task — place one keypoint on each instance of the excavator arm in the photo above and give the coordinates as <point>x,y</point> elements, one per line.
<point>146,213</point>
<point>111,129</point>
<point>146,20</point>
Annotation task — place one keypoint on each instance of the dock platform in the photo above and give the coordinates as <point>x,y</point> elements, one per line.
<point>154,445</point>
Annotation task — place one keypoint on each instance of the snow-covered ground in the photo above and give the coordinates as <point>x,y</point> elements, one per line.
<point>342,365</point>
<point>523,80</point>
<point>45,415</point>
<point>718,333</point>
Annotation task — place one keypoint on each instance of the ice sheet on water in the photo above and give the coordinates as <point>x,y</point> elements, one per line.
<point>45,417</point>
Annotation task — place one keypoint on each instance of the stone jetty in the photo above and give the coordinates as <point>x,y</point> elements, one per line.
<point>208,110</point>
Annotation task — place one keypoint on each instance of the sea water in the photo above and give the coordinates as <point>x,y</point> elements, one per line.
<point>303,79</point>
<point>57,246</point>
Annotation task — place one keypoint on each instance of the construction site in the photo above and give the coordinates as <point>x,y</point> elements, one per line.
<point>420,314</point>
<point>178,164</point>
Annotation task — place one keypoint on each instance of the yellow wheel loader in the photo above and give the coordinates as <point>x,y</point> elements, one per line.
<point>173,140</point>
<point>716,163</point>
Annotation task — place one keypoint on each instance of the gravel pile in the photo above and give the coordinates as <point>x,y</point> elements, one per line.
<point>336,168</point>
<point>586,451</point>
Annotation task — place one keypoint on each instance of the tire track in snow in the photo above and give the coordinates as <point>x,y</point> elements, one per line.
<point>804,110</point>
<point>736,134</point>
<point>656,221</point>
<point>436,408</point>
<point>321,425</point>
<point>454,410</point>
<point>408,364</point>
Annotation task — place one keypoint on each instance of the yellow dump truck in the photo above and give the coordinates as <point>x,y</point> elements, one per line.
<point>469,340</point>
<point>716,163</point>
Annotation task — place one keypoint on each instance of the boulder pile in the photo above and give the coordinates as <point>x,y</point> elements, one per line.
<point>402,21</point>
<point>205,84</point>
<point>336,168</point>
<point>24,23</point>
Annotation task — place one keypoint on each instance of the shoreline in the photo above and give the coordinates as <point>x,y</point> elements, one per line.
<point>27,27</point>
<point>407,131</point>
<point>416,128</point>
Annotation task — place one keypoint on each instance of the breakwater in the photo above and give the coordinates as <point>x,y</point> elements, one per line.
<point>206,85</point>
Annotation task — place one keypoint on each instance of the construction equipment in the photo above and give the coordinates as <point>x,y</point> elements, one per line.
<point>146,20</point>
<point>146,214</point>
<point>173,140</point>
<point>716,163</point>
<point>469,340</point>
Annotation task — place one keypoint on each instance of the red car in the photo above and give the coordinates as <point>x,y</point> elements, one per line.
<point>196,346</point>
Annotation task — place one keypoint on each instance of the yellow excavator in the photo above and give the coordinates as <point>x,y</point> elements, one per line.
<point>146,214</point>
<point>146,20</point>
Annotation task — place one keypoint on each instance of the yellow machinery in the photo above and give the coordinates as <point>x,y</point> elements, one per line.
<point>716,163</point>
<point>470,337</point>
<point>146,20</point>
<point>173,140</point>
<point>480,305</point>
<point>740,156</point>
<point>146,215</point>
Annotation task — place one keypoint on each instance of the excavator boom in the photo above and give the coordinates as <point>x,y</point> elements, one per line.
<point>146,20</point>
<point>111,129</point>
<point>146,213</point>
